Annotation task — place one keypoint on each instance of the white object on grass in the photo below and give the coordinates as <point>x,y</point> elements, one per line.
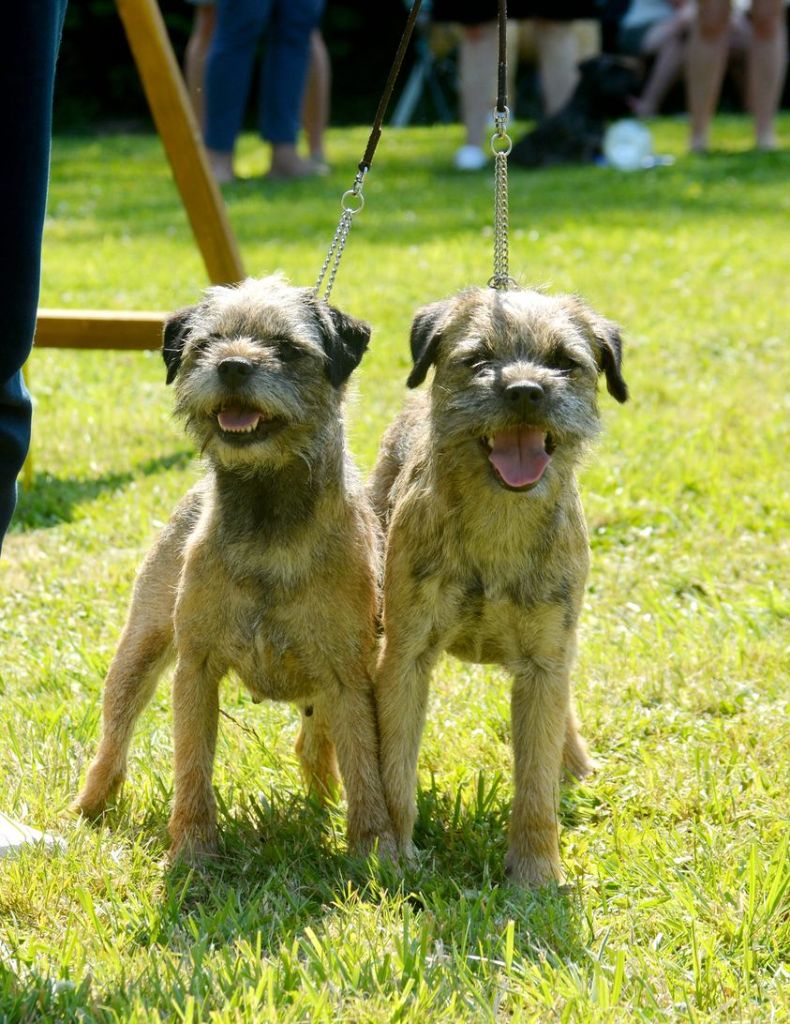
<point>470,158</point>
<point>628,146</point>
<point>14,836</point>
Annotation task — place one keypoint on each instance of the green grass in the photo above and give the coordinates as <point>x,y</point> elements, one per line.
<point>676,852</point>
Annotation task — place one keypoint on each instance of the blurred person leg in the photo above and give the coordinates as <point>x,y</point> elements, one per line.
<point>228,74</point>
<point>28,53</point>
<point>666,41</point>
<point>196,53</point>
<point>477,70</point>
<point>558,57</point>
<point>283,83</point>
<point>706,60</point>
<point>317,101</point>
<point>766,67</point>
<point>478,58</point>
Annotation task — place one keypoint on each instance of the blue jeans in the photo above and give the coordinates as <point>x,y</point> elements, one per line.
<point>240,26</point>
<point>29,46</point>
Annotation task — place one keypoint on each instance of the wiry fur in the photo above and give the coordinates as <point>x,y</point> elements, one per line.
<point>486,573</point>
<point>267,567</point>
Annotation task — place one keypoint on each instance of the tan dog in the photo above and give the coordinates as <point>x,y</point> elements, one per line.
<point>267,567</point>
<point>487,550</point>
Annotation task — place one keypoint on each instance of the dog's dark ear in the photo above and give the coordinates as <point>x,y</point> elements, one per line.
<point>173,338</point>
<point>426,333</point>
<point>607,345</point>
<point>610,360</point>
<point>345,340</point>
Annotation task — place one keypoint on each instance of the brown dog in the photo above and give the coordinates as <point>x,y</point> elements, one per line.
<point>267,567</point>
<point>487,550</point>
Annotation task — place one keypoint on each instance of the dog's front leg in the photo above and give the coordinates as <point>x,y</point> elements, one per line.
<point>351,711</point>
<point>130,684</point>
<point>144,650</point>
<point>402,683</point>
<point>539,709</point>
<point>193,822</point>
<point>409,651</point>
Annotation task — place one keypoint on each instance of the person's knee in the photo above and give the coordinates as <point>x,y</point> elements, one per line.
<point>241,26</point>
<point>205,21</point>
<point>299,18</point>
<point>713,21</point>
<point>766,20</point>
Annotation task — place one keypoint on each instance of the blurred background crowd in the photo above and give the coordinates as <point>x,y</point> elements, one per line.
<point>351,50</point>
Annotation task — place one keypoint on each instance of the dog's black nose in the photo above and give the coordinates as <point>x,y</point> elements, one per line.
<point>234,369</point>
<point>524,393</point>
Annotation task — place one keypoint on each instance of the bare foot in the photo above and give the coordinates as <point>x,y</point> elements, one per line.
<point>319,164</point>
<point>287,164</point>
<point>292,173</point>
<point>766,143</point>
<point>221,166</point>
<point>640,108</point>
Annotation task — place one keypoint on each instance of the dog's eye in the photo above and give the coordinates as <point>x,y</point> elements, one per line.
<point>563,362</point>
<point>475,362</point>
<point>288,352</point>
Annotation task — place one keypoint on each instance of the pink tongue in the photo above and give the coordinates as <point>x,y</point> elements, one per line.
<point>238,419</point>
<point>519,455</point>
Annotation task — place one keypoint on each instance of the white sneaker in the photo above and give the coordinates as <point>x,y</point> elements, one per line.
<point>470,158</point>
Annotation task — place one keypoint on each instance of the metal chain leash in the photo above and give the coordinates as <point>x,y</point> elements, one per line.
<point>351,203</point>
<point>501,144</point>
<point>353,200</point>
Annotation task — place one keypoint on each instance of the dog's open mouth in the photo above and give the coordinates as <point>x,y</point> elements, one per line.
<point>239,423</point>
<point>519,456</point>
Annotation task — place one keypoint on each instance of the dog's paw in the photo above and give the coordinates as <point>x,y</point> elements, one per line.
<point>576,761</point>
<point>87,808</point>
<point>92,800</point>
<point>532,872</point>
<point>408,852</point>
<point>578,764</point>
<point>382,844</point>
<point>192,844</point>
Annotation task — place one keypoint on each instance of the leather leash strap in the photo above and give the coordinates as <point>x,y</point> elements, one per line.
<point>353,200</point>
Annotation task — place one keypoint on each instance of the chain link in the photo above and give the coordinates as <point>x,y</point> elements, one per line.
<point>501,144</point>
<point>351,203</point>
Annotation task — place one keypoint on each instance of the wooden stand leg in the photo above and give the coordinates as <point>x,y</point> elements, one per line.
<point>180,133</point>
<point>99,328</point>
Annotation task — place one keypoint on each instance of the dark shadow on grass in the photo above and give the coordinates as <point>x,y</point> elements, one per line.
<point>282,865</point>
<point>462,846</point>
<point>52,501</point>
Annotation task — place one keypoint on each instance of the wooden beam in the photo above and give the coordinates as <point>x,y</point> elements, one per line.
<point>99,328</point>
<point>178,128</point>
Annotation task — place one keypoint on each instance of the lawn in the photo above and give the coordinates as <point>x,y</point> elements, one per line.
<point>677,905</point>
